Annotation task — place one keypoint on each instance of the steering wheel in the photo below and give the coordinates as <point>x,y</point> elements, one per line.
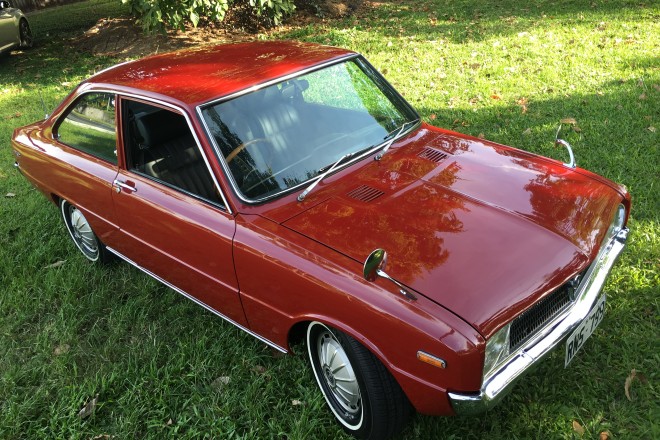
<point>244,145</point>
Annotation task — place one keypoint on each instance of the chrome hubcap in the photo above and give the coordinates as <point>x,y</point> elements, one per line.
<point>338,373</point>
<point>82,233</point>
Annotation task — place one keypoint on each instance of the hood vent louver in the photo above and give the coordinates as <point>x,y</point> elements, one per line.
<point>433,155</point>
<point>365,193</point>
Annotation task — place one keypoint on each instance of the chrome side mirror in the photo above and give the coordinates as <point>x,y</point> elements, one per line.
<point>566,145</point>
<point>374,267</point>
<point>376,262</point>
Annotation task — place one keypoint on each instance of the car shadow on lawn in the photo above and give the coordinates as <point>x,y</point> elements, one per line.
<point>468,20</point>
<point>611,138</point>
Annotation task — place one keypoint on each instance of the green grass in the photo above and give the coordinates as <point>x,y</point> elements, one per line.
<point>502,69</point>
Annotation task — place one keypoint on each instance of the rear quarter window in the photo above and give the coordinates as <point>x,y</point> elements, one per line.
<point>89,126</point>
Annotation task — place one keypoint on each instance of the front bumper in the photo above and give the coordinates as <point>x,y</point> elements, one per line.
<point>500,383</point>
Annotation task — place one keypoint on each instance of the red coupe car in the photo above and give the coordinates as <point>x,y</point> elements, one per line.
<point>271,182</point>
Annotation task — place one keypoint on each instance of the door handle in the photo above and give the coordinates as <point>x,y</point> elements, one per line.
<point>126,186</point>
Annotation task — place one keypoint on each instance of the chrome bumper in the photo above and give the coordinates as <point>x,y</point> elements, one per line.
<point>500,383</point>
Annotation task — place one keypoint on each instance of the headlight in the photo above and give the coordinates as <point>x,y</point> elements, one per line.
<point>497,350</point>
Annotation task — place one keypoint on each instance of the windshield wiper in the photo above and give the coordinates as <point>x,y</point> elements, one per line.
<point>326,170</point>
<point>393,137</point>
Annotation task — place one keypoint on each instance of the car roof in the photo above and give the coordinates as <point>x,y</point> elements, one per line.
<point>198,75</point>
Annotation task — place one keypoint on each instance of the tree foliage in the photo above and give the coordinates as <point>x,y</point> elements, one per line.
<point>159,14</point>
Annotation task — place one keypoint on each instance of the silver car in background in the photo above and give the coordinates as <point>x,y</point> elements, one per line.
<point>15,29</point>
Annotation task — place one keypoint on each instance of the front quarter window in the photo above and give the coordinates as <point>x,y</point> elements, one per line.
<point>89,126</point>
<point>278,137</point>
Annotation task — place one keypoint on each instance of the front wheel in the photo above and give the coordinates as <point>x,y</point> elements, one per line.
<point>82,234</point>
<point>25,34</point>
<point>362,394</point>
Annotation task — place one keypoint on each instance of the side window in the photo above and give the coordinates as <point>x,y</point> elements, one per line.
<point>90,126</point>
<point>159,144</point>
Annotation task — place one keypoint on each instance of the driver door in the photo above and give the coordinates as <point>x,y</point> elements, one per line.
<point>173,222</point>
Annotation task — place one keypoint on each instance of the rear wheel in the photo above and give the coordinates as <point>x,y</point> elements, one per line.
<point>362,394</point>
<point>82,234</point>
<point>26,34</point>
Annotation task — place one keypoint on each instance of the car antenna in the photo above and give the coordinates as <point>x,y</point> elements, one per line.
<point>43,104</point>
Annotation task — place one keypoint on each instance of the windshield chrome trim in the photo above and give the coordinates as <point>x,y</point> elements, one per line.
<point>278,80</point>
<point>226,208</point>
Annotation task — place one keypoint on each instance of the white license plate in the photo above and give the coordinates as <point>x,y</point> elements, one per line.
<point>580,335</point>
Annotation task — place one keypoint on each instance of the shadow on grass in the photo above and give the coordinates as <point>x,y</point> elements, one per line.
<point>462,21</point>
<point>614,139</point>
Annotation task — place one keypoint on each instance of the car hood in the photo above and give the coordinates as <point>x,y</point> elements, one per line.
<point>481,229</point>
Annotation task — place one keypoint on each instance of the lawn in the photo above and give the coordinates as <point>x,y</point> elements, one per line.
<point>156,365</point>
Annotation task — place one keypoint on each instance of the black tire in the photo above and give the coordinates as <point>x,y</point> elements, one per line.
<point>370,403</point>
<point>25,34</point>
<point>82,234</point>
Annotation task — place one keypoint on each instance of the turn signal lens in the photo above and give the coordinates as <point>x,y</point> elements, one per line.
<point>431,360</point>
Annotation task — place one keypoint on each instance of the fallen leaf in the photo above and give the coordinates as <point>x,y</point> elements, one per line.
<point>605,435</point>
<point>220,382</point>
<point>61,349</point>
<point>103,437</point>
<point>629,379</point>
<point>656,87</point>
<point>169,422</point>
<point>296,402</point>
<point>577,129</point>
<point>10,195</point>
<point>89,408</point>
<point>570,121</point>
<point>642,97</point>
<point>651,129</point>
<point>481,136</point>
<point>578,428</point>
<point>55,264</point>
<point>495,96</point>
<point>527,132</point>
<point>259,369</point>
<point>432,117</point>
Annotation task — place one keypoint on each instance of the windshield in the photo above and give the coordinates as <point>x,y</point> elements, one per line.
<point>281,136</point>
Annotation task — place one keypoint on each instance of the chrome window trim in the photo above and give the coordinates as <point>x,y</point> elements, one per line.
<point>180,110</point>
<point>221,158</point>
<point>197,301</point>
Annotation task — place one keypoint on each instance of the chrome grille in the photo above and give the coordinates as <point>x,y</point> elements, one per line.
<point>538,315</point>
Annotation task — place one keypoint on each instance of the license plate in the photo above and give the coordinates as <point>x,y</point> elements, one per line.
<point>580,335</point>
